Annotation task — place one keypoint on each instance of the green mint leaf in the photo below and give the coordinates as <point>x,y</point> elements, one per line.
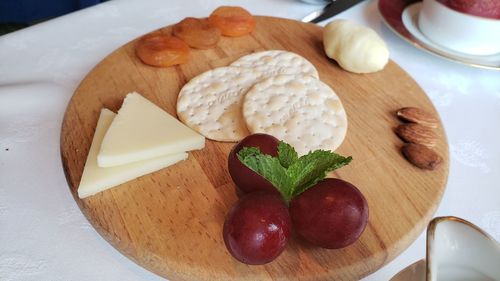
<point>270,168</point>
<point>286,154</point>
<point>247,151</point>
<point>291,174</point>
<point>314,167</point>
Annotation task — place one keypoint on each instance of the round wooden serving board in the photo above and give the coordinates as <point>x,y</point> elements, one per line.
<point>170,222</point>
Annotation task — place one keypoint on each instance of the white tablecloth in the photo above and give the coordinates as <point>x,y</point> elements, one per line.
<point>44,236</point>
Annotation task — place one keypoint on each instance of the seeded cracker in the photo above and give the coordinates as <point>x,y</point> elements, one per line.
<point>301,110</point>
<point>277,62</point>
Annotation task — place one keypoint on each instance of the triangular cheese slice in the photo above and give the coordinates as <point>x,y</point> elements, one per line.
<point>96,179</point>
<point>142,130</point>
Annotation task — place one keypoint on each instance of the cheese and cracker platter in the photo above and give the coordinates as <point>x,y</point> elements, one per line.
<point>242,147</point>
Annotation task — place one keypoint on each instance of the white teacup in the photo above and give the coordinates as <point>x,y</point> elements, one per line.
<point>457,250</point>
<point>458,31</point>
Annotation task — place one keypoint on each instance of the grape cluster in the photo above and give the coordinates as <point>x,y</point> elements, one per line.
<point>331,214</point>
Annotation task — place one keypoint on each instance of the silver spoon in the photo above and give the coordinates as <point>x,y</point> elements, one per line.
<point>333,8</point>
<point>316,1</point>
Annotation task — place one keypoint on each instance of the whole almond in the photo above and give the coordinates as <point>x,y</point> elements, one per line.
<point>417,115</point>
<point>416,133</point>
<point>421,156</point>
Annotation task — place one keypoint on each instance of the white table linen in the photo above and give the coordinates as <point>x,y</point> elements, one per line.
<point>43,234</point>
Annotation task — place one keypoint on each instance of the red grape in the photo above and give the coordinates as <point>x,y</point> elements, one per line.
<point>257,228</point>
<point>244,178</point>
<point>332,214</point>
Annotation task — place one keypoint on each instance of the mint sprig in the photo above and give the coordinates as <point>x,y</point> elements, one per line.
<point>286,154</point>
<point>291,174</point>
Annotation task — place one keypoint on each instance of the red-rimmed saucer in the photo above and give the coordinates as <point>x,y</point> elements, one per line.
<point>401,17</point>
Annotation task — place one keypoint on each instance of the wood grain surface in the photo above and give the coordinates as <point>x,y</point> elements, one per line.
<point>170,222</point>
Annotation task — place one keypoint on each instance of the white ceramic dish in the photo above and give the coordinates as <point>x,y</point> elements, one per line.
<point>457,250</point>
<point>414,272</point>
<point>458,31</point>
<point>401,16</point>
<point>410,18</point>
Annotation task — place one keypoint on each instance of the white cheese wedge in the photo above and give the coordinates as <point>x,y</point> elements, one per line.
<point>142,130</point>
<point>96,179</point>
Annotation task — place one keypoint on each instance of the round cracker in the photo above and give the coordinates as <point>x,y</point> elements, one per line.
<point>300,110</point>
<point>210,103</point>
<point>276,62</point>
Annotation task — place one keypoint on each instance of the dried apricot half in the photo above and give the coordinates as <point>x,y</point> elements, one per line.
<point>197,33</point>
<point>232,21</point>
<point>162,50</point>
